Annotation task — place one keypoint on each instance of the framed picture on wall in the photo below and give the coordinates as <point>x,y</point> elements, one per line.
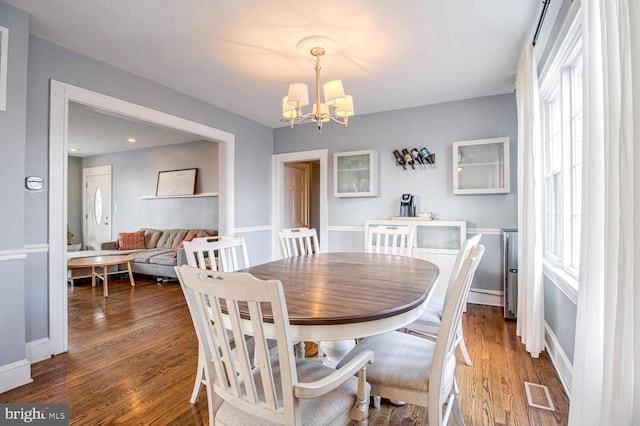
<point>176,182</point>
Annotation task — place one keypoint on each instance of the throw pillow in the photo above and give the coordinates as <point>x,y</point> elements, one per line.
<point>179,246</point>
<point>131,240</point>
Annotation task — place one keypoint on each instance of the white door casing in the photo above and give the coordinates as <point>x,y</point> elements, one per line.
<point>296,195</point>
<point>277,168</point>
<point>60,96</point>
<point>96,206</point>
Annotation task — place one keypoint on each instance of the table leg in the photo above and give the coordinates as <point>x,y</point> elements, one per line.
<point>133,283</point>
<point>105,280</point>
<point>93,276</point>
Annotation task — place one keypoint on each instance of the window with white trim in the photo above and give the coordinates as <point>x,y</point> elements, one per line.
<point>562,114</point>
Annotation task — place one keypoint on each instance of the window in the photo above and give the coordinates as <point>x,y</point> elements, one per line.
<point>562,111</point>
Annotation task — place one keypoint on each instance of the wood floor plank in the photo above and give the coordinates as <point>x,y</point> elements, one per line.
<point>132,360</point>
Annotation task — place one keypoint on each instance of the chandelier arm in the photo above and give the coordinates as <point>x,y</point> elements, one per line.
<point>343,121</point>
<point>304,118</point>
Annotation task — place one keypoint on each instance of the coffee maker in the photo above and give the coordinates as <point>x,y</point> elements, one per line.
<point>408,205</point>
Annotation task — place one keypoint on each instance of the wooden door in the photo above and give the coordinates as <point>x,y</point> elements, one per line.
<point>296,195</point>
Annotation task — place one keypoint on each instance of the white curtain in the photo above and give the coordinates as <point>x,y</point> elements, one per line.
<point>530,325</point>
<point>606,370</point>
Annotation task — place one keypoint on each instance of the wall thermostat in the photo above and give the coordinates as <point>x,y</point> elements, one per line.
<point>34,183</point>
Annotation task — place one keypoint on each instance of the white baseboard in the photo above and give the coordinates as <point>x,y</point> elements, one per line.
<point>39,350</point>
<point>559,359</point>
<point>14,375</point>
<point>485,297</point>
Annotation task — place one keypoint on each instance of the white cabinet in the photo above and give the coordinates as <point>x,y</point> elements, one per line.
<point>437,241</point>
<point>355,174</point>
<point>481,166</point>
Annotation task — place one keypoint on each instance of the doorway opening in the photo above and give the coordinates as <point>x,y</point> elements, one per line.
<point>285,207</point>
<point>61,95</point>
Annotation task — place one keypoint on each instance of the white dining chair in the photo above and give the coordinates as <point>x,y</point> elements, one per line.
<point>390,239</point>
<point>428,324</point>
<point>224,253</point>
<point>416,370</point>
<point>284,390</point>
<point>299,241</point>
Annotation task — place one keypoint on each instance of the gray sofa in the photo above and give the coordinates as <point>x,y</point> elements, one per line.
<point>157,257</point>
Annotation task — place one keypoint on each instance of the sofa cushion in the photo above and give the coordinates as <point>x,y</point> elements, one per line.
<point>151,237</point>
<point>171,238</point>
<point>164,258</point>
<point>131,240</point>
<point>145,256</point>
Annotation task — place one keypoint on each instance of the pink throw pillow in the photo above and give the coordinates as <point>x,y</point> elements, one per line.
<point>179,246</point>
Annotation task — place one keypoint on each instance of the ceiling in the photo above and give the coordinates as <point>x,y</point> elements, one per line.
<point>241,55</point>
<point>93,132</point>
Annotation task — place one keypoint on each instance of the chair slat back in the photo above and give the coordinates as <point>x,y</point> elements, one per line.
<point>299,242</point>
<point>221,253</point>
<point>234,297</point>
<point>391,239</point>
<point>444,359</point>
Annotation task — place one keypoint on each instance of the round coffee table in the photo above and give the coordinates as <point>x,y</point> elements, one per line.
<point>102,262</point>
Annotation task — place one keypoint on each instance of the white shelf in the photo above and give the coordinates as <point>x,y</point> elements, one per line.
<point>202,194</point>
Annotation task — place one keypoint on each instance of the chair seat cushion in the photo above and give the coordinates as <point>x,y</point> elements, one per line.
<point>429,321</point>
<point>401,361</point>
<point>321,411</point>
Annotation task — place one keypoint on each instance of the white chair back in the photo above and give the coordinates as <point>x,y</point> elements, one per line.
<point>221,253</point>
<point>390,239</point>
<point>232,372</point>
<point>466,246</point>
<point>299,242</point>
<point>273,391</point>
<point>444,359</point>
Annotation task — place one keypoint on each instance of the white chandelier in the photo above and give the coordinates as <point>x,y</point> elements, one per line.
<point>337,106</point>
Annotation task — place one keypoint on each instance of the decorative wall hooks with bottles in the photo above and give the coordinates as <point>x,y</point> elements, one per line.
<point>416,158</point>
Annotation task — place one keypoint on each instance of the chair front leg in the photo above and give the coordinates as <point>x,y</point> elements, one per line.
<point>360,413</point>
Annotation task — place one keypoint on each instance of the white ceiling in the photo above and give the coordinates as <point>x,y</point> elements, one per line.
<point>241,54</point>
<point>94,132</point>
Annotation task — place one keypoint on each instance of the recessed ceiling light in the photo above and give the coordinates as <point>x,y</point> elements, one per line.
<point>131,140</point>
<point>74,150</point>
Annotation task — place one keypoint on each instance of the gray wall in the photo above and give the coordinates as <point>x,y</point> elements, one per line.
<point>12,192</point>
<point>434,127</point>
<point>74,198</point>
<point>135,174</point>
<point>47,61</point>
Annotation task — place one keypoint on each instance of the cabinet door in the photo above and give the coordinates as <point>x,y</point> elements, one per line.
<point>355,174</point>
<point>481,166</point>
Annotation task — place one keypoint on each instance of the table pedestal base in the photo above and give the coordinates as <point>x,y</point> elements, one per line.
<point>335,350</point>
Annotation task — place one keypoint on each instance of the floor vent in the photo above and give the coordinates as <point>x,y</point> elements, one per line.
<point>538,396</point>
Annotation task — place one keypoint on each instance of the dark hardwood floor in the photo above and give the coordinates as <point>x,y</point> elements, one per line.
<point>132,359</point>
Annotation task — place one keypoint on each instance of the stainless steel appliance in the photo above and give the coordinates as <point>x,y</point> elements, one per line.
<point>510,272</point>
<point>408,205</point>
